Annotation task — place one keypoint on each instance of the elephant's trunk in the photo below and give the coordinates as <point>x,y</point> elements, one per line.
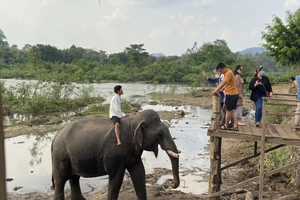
<point>175,169</point>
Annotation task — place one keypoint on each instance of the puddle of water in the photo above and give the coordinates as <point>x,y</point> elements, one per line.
<point>28,158</point>
<point>191,139</point>
<point>191,183</point>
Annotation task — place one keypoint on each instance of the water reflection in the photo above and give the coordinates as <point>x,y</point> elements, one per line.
<point>36,150</point>
<point>29,157</point>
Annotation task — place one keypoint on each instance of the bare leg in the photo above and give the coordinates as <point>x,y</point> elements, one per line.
<point>117,131</point>
<point>235,118</point>
<point>228,117</point>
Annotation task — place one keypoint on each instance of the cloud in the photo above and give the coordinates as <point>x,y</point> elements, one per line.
<point>125,2</point>
<point>159,33</point>
<point>224,33</point>
<point>187,19</point>
<point>292,4</point>
<point>116,15</point>
<point>48,2</point>
<point>254,32</point>
<point>203,2</point>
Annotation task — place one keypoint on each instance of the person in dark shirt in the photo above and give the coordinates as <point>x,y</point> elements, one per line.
<point>258,86</point>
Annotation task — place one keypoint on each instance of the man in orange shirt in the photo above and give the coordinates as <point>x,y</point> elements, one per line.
<point>231,93</point>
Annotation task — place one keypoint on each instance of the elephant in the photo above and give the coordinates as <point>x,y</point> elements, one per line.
<point>88,148</point>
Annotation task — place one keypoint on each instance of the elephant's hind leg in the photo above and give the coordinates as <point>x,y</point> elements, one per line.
<point>59,188</point>
<point>61,173</point>
<point>75,188</point>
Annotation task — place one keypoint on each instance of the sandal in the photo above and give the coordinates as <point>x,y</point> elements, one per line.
<point>225,128</point>
<point>236,129</point>
<point>257,124</point>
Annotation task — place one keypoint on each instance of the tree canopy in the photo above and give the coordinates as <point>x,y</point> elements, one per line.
<point>134,63</point>
<point>283,40</point>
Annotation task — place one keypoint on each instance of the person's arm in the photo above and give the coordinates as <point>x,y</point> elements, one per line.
<point>218,88</point>
<point>253,84</point>
<point>213,80</point>
<point>238,82</point>
<point>269,84</point>
<point>204,75</point>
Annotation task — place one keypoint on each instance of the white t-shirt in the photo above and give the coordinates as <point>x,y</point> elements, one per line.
<point>115,107</point>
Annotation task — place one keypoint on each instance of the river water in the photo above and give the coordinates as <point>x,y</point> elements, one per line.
<point>28,158</point>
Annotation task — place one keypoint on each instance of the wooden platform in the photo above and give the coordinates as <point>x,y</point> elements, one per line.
<point>275,133</point>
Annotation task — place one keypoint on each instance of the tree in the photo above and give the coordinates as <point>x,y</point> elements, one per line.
<point>283,40</point>
<point>3,41</point>
<point>137,55</point>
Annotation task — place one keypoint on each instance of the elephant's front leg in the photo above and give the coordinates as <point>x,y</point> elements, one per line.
<point>137,173</point>
<point>116,177</point>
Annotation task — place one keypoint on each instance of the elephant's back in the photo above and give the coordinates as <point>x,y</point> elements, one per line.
<point>85,128</point>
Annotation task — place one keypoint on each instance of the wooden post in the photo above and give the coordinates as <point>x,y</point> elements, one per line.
<point>255,148</point>
<point>216,116</point>
<point>2,156</point>
<point>262,149</point>
<point>215,151</point>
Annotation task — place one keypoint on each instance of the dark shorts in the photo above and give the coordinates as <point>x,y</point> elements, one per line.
<point>116,120</point>
<point>231,101</point>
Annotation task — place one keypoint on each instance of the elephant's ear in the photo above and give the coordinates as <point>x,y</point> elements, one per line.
<point>138,136</point>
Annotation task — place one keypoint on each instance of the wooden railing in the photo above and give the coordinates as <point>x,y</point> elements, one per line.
<point>216,141</point>
<point>2,157</point>
<point>271,101</point>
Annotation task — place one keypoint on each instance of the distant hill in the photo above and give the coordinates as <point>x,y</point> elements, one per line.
<point>158,55</point>
<point>253,50</point>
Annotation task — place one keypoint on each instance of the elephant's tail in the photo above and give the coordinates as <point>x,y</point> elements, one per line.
<point>53,185</point>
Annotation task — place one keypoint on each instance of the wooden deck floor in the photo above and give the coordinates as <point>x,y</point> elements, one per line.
<point>274,134</point>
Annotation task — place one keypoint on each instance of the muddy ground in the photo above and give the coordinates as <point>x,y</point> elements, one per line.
<point>232,150</point>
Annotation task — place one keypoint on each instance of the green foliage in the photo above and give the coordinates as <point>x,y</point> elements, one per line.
<point>47,63</point>
<point>282,40</point>
<point>277,158</point>
<point>276,119</point>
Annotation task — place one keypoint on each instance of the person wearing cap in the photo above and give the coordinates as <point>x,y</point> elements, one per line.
<point>259,85</point>
<point>115,113</point>
<point>231,93</point>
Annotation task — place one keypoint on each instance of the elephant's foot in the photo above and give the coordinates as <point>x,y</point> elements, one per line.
<point>77,197</point>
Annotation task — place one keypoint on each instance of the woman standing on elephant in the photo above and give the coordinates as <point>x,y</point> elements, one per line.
<point>259,85</point>
<point>115,112</point>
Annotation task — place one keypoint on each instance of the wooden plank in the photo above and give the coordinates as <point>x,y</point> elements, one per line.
<point>272,131</point>
<point>283,141</point>
<point>274,140</point>
<point>231,134</point>
<point>282,132</point>
<point>246,128</point>
<point>255,130</point>
<point>250,157</point>
<point>291,133</point>
<point>270,173</point>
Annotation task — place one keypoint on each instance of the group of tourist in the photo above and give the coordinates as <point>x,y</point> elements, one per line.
<point>231,86</point>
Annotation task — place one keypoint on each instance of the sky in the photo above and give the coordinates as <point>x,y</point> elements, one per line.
<point>163,26</point>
